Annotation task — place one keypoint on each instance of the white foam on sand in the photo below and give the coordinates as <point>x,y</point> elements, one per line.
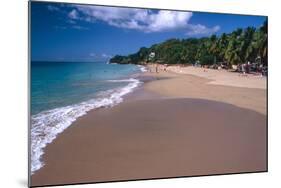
<point>142,68</point>
<point>46,125</point>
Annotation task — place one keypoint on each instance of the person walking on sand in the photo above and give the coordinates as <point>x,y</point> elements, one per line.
<point>156,68</point>
<point>243,70</point>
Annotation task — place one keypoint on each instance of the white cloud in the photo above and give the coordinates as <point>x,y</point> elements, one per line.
<point>100,56</point>
<point>140,19</point>
<point>106,55</point>
<point>79,27</point>
<point>52,8</point>
<point>201,30</point>
<point>169,20</point>
<point>73,14</point>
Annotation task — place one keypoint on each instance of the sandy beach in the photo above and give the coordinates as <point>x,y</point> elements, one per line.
<point>185,123</point>
<point>217,85</point>
<point>223,77</point>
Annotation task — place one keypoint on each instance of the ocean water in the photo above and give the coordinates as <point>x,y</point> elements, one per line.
<point>63,91</point>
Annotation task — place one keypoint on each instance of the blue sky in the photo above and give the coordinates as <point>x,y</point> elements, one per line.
<point>71,32</point>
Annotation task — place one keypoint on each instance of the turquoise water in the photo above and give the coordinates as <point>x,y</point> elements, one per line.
<point>63,91</point>
<point>57,84</point>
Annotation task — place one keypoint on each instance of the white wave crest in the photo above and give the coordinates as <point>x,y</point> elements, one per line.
<point>46,125</point>
<point>123,80</point>
<point>142,68</point>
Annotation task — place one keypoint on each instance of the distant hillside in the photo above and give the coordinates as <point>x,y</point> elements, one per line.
<point>240,46</point>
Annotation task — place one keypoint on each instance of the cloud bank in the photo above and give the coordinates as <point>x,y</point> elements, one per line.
<point>143,20</point>
<point>100,56</point>
<point>137,19</point>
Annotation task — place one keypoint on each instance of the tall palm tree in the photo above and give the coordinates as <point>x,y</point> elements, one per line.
<point>233,50</point>
<point>260,43</point>
<point>214,47</point>
<point>247,48</point>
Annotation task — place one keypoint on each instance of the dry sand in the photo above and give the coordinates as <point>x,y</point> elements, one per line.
<point>187,85</point>
<point>167,129</point>
<point>223,77</point>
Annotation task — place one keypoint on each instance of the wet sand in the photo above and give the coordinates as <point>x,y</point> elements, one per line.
<point>163,130</point>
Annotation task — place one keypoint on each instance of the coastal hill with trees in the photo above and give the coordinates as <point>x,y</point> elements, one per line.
<point>235,48</point>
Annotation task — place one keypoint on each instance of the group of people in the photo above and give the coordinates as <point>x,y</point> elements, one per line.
<point>157,68</point>
<point>244,68</point>
<point>247,68</point>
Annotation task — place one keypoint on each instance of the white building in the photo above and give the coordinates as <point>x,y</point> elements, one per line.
<point>151,55</point>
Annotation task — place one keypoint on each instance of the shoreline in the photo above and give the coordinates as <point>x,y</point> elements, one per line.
<point>48,124</point>
<point>126,138</point>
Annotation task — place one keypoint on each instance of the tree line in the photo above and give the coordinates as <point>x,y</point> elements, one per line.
<point>235,48</point>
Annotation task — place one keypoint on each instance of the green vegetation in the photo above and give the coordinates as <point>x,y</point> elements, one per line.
<point>234,48</point>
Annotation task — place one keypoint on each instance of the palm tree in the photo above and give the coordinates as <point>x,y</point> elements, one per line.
<point>247,47</point>
<point>233,50</point>
<point>222,46</point>
<point>260,43</point>
<point>214,47</point>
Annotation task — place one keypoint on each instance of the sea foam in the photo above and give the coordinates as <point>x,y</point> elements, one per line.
<point>142,68</point>
<point>46,125</point>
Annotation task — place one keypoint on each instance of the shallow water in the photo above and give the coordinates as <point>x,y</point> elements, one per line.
<point>63,91</point>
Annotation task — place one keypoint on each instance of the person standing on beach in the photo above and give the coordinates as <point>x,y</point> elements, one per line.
<point>243,70</point>
<point>156,68</point>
